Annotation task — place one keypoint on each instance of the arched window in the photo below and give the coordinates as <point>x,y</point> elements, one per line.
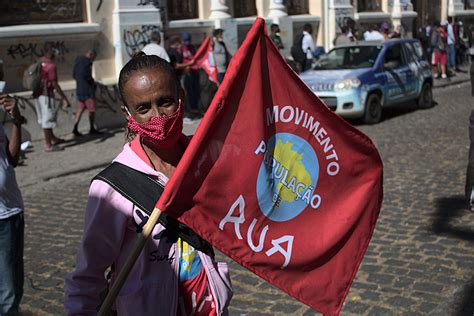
<point>182,9</point>
<point>243,8</point>
<point>295,7</point>
<point>41,12</point>
<point>369,5</point>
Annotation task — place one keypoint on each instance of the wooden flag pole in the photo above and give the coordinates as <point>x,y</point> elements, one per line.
<point>117,286</point>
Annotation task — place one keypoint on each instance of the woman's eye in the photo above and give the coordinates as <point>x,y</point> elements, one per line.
<point>141,109</point>
<point>167,103</point>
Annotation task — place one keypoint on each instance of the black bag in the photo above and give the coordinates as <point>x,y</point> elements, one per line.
<point>297,50</point>
<point>144,192</point>
<point>32,79</point>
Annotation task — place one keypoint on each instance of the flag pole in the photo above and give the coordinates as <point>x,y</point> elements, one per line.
<point>132,258</point>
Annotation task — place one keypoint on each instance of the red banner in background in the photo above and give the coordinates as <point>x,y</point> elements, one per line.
<point>204,58</point>
<point>276,181</point>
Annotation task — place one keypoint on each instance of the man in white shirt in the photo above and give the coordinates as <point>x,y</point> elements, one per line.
<point>308,45</point>
<point>154,48</point>
<point>373,35</point>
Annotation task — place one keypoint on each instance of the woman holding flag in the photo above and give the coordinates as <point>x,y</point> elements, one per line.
<point>170,277</point>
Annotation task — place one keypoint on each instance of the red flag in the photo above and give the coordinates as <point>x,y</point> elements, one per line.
<point>204,58</point>
<point>279,183</point>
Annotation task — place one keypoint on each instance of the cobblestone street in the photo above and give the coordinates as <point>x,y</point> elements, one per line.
<point>419,262</point>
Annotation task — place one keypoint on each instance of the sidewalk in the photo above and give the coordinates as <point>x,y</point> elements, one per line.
<point>459,78</point>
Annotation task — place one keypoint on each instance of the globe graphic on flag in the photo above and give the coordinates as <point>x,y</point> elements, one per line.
<point>287,177</point>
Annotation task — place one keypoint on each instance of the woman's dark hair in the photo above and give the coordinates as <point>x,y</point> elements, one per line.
<point>141,62</point>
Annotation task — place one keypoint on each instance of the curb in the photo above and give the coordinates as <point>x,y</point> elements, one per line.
<point>450,83</point>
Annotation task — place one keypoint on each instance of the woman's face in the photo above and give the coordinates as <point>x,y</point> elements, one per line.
<point>151,93</point>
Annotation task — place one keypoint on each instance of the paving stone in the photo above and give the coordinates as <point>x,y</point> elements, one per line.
<point>379,311</point>
<point>400,302</point>
<point>286,309</point>
<point>356,307</point>
<point>380,278</point>
<point>427,307</point>
<point>428,287</point>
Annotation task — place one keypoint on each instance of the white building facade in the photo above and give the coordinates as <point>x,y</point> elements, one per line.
<point>118,28</point>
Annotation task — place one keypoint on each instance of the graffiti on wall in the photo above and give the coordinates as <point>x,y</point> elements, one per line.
<point>107,107</point>
<point>99,5</point>
<point>107,97</point>
<point>155,3</point>
<point>344,18</point>
<point>34,50</point>
<point>135,39</point>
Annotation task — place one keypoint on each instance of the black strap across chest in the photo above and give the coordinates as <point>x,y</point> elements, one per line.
<point>143,191</point>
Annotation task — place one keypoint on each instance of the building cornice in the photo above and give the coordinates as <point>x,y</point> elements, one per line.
<point>49,29</point>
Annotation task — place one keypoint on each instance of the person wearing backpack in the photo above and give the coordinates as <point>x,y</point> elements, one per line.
<point>46,106</point>
<point>303,47</point>
<point>170,276</point>
<point>439,46</point>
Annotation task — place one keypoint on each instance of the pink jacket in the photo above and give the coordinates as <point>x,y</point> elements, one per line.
<point>110,232</point>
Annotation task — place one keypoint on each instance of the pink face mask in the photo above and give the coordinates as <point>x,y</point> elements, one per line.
<point>160,131</point>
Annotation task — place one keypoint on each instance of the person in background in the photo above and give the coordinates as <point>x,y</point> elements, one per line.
<point>439,43</point>
<point>385,28</point>
<point>175,57</point>
<point>11,211</point>
<point>46,106</point>
<point>424,35</point>
<point>372,34</point>
<point>154,47</point>
<point>308,45</point>
<point>85,90</point>
<point>221,54</point>
<point>462,47</point>
<point>275,36</point>
<point>342,38</point>
<point>190,78</point>
<point>451,40</point>
<point>397,32</point>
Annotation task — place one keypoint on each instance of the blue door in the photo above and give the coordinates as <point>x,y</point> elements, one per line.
<point>400,79</point>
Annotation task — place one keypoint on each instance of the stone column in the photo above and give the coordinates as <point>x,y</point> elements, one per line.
<point>403,14</point>
<point>219,10</point>
<point>277,9</point>
<point>132,27</point>
<point>454,7</point>
<point>444,9</point>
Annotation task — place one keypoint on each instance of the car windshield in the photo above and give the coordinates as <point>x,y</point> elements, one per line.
<point>351,57</point>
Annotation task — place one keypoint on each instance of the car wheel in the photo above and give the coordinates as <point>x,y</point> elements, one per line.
<point>425,100</point>
<point>373,109</point>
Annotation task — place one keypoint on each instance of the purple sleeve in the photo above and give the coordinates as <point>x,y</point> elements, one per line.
<point>104,231</point>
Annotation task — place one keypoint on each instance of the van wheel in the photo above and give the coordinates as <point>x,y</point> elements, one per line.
<point>373,109</point>
<point>425,100</point>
